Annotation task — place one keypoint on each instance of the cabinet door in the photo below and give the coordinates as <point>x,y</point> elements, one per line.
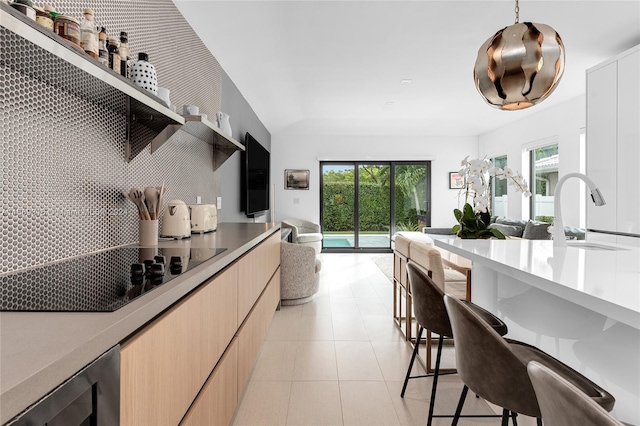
<point>164,366</point>
<point>601,144</point>
<point>628,217</point>
<point>217,402</point>
<point>256,269</point>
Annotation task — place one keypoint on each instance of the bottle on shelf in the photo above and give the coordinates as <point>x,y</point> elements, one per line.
<point>114,56</point>
<point>103,54</point>
<point>125,54</point>
<point>88,34</point>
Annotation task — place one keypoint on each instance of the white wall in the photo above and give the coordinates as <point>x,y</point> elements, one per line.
<point>303,152</point>
<point>562,123</point>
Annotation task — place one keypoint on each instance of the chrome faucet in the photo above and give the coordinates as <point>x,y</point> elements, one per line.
<point>559,238</point>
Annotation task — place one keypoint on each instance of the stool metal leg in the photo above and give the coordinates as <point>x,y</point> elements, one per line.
<point>413,358</point>
<point>463,395</point>
<point>505,417</point>
<point>434,387</point>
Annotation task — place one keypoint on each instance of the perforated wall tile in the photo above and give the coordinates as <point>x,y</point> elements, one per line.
<point>62,156</point>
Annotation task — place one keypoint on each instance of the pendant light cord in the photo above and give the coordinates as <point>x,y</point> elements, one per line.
<point>517,11</point>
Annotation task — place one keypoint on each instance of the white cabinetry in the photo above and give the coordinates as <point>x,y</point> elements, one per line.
<point>613,142</point>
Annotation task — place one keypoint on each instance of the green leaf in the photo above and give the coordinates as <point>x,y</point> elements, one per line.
<point>455,229</point>
<point>496,233</point>
<point>468,212</point>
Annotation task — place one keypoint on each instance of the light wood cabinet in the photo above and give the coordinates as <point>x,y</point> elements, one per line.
<point>260,263</point>
<point>254,329</point>
<point>613,151</point>
<point>164,366</point>
<point>168,366</point>
<point>217,402</point>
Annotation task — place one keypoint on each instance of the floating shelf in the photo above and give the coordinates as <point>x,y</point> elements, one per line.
<point>205,130</point>
<point>70,69</point>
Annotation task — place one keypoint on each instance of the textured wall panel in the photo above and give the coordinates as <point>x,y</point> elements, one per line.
<point>62,156</point>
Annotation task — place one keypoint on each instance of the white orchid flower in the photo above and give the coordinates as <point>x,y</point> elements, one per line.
<point>475,168</point>
<point>481,204</point>
<point>478,186</point>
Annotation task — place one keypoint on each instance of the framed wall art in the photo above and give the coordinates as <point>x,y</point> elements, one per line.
<point>296,179</point>
<point>456,180</point>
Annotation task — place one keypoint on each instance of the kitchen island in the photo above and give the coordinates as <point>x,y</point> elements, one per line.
<point>40,350</point>
<point>580,304</point>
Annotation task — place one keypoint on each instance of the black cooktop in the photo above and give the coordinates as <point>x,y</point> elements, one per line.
<point>98,282</point>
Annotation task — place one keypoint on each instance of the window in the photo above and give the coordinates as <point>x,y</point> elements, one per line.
<point>499,189</point>
<point>544,177</point>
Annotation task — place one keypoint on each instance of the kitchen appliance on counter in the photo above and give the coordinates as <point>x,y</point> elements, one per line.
<point>176,222</point>
<point>204,218</point>
<point>99,282</point>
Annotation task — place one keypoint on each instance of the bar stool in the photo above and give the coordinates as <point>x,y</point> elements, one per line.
<point>561,403</point>
<point>431,314</point>
<point>496,368</point>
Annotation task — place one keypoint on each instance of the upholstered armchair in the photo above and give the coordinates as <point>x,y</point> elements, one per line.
<point>305,233</point>
<point>299,273</point>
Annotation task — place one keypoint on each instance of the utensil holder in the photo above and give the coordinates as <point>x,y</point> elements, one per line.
<point>148,232</point>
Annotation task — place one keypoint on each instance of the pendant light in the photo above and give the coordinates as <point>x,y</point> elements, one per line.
<point>520,65</point>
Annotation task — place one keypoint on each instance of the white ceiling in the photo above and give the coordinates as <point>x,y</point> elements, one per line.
<point>330,67</point>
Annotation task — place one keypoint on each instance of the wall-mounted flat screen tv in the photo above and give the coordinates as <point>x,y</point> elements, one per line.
<point>255,177</point>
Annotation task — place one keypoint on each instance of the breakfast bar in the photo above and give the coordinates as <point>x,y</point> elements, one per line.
<point>580,304</point>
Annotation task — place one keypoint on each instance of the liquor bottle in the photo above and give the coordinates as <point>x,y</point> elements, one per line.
<point>88,34</point>
<point>103,53</point>
<point>114,56</point>
<point>125,54</point>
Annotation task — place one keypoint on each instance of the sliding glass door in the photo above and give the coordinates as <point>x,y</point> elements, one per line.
<point>364,203</point>
<point>373,206</point>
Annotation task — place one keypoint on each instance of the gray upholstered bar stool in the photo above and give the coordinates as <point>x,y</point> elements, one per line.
<point>431,314</point>
<point>495,368</point>
<point>561,403</point>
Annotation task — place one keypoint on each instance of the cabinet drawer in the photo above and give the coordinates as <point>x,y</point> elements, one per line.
<point>217,402</point>
<point>256,269</point>
<point>164,366</point>
<point>254,330</point>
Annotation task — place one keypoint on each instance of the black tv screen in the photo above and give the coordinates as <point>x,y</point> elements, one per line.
<point>255,177</point>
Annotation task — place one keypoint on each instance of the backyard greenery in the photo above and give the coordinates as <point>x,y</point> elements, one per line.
<point>374,190</point>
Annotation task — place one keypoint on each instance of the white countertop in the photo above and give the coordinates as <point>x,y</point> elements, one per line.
<point>605,281</point>
<point>40,350</point>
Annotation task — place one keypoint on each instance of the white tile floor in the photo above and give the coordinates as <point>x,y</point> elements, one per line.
<point>341,360</point>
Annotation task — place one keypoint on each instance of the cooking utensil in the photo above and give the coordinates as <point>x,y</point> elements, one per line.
<point>151,200</point>
<point>130,198</point>
<point>138,197</point>
<point>160,195</point>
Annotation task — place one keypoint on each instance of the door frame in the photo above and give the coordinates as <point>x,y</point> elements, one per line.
<point>392,197</point>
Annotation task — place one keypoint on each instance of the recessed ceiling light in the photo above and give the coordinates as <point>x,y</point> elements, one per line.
<point>389,103</point>
<point>406,81</point>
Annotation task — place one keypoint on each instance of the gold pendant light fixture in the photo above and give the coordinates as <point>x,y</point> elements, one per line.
<point>520,65</point>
